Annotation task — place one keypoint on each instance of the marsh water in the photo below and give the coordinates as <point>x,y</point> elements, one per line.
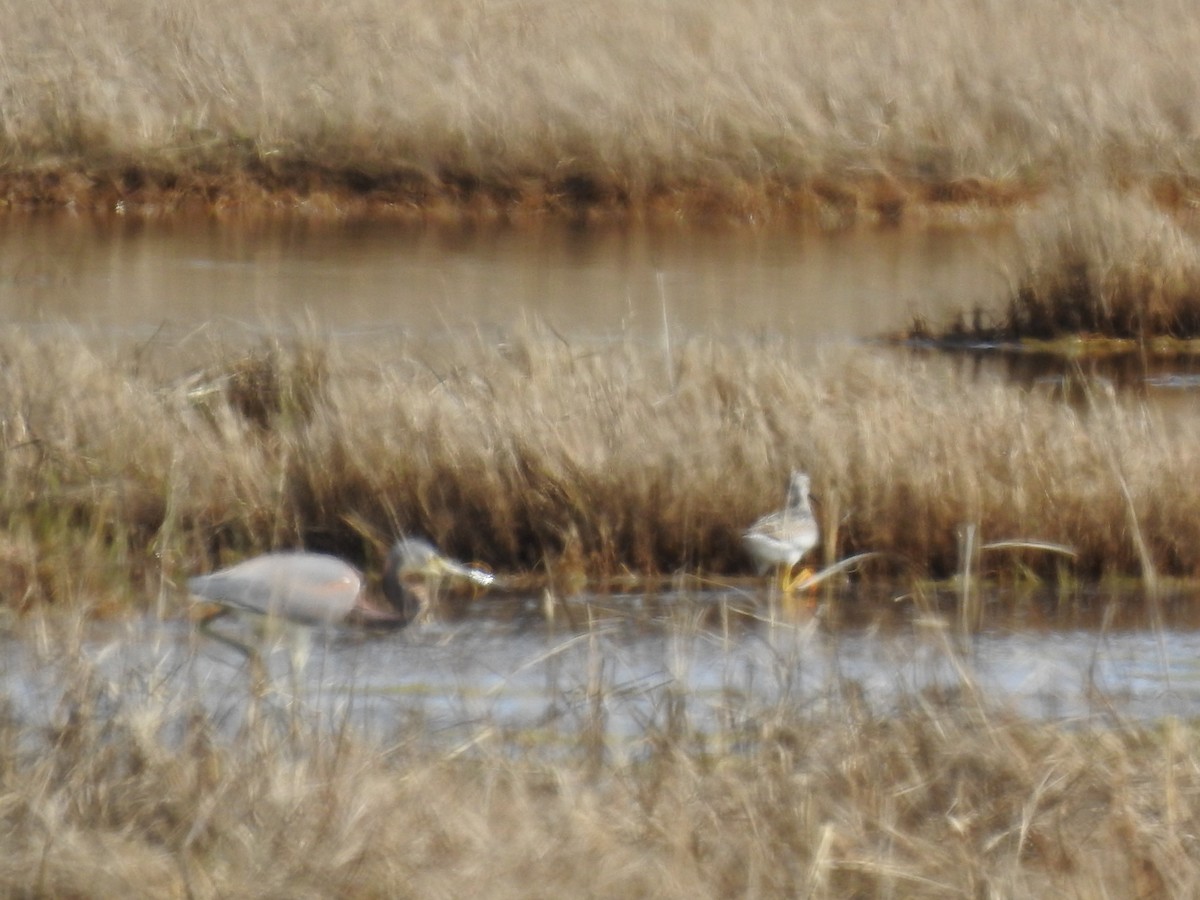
<point>135,277</point>
<point>626,675</point>
<point>176,279</point>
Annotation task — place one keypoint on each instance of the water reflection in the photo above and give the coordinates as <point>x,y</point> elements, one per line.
<point>1169,383</point>
<point>134,276</point>
<point>721,672</point>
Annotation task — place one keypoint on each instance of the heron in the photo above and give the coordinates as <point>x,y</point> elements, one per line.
<point>322,591</point>
<point>781,539</point>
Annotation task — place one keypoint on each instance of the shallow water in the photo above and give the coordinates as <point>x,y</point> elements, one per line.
<point>136,277</point>
<point>175,280</point>
<point>630,672</point>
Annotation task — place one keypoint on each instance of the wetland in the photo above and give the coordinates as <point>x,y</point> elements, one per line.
<point>570,293</point>
<point>630,684</point>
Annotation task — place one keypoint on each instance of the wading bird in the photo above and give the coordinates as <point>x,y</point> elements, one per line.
<point>313,589</point>
<point>781,539</point>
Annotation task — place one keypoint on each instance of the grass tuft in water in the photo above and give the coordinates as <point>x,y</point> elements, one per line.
<point>1097,274</point>
<point>1112,266</point>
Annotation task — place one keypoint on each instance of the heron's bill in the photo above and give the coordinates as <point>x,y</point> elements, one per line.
<point>470,573</point>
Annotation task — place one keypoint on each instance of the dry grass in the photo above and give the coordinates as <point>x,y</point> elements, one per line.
<point>941,798</point>
<point>120,476</point>
<point>1103,264</point>
<point>521,106</point>
<point>1105,267</point>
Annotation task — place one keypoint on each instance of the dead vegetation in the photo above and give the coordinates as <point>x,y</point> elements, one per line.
<point>535,456</point>
<point>1098,263</point>
<point>525,108</point>
<point>1097,273</point>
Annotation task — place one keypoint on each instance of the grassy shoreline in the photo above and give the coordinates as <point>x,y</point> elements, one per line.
<point>124,471</point>
<point>486,110</point>
<point>314,191</point>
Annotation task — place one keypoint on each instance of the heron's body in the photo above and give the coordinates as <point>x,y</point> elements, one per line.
<point>319,590</point>
<point>781,539</point>
<point>307,588</point>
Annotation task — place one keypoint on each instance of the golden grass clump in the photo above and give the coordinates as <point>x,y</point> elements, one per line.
<point>1099,263</point>
<point>494,110</point>
<point>941,797</point>
<point>538,456</point>
<point>1095,273</point>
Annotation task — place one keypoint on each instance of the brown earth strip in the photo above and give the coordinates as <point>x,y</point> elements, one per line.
<point>315,191</point>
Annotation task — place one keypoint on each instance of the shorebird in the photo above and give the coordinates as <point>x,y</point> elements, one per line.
<point>781,539</point>
<point>316,590</point>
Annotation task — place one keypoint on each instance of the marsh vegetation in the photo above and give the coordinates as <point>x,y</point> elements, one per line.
<point>126,469</point>
<point>578,468</point>
<point>1095,273</point>
<point>516,109</point>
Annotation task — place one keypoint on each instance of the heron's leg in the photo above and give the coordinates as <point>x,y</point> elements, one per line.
<point>229,641</point>
<point>255,664</point>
